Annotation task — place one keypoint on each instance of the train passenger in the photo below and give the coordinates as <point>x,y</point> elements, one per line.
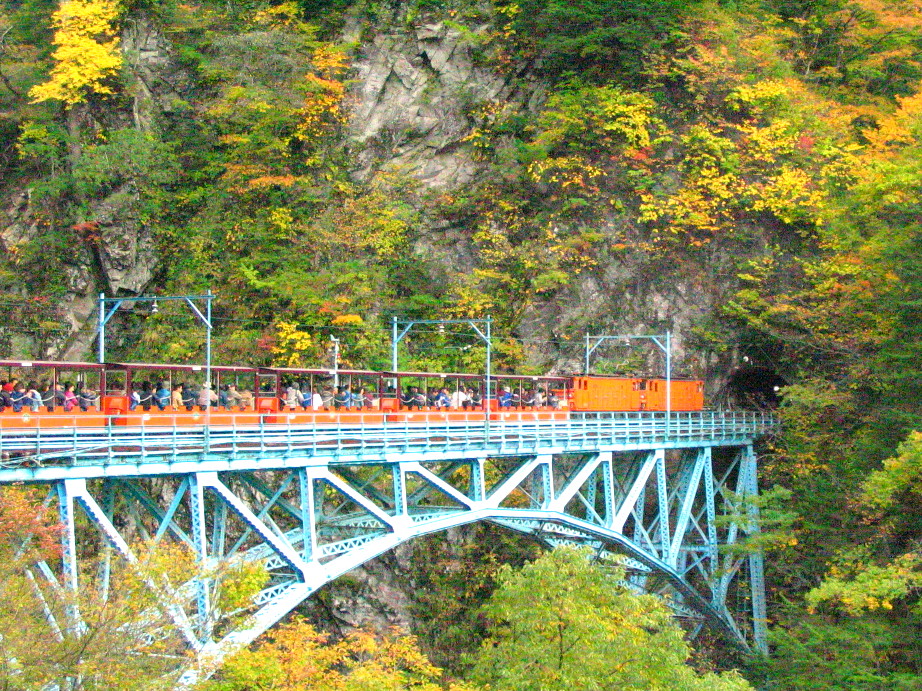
<point>443,399</point>
<point>34,398</point>
<point>316,400</point>
<point>234,397</point>
<point>162,395</point>
<point>343,398</point>
<point>176,397</point>
<point>18,397</point>
<point>9,386</point>
<point>47,396</point>
<point>504,397</point>
<point>59,397</point>
<point>86,397</point>
<point>474,398</point>
<point>134,398</point>
<point>409,399</point>
<point>363,399</point>
<point>459,398</point>
<point>187,395</point>
<point>538,398</point>
<point>147,396</point>
<point>206,397</point>
<point>70,398</point>
<point>528,400</point>
<point>293,396</point>
<point>552,400</point>
<point>243,399</point>
<point>223,398</point>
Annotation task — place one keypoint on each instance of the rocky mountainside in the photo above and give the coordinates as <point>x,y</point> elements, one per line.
<point>743,174</point>
<point>433,110</point>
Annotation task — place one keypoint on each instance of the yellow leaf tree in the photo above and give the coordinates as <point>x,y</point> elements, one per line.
<point>87,56</point>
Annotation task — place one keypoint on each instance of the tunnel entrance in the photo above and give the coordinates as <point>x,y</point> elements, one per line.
<point>755,387</point>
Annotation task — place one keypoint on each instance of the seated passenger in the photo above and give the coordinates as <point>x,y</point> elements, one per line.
<point>327,397</point>
<point>134,398</point>
<point>316,401</point>
<point>86,397</point>
<point>362,399</point>
<point>47,395</point>
<point>187,394</point>
<point>223,398</point>
<point>162,396</point>
<point>293,396</point>
<point>206,397</point>
<point>504,397</point>
<point>59,394</point>
<point>412,399</point>
<point>459,399</point>
<point>539,398</point>
<point>70,398</point>
<point>343,398</point>
<point>528,400</point>
<point>18,398</point>
<point>176,397</point>
<point>516,400</point>
<point>552,400</point>
<point>239,399</point>
<point>474,399</point>
<point>33,397</point>
<point>147,396</point>
<point>442,399</point>
<point>245,399</point>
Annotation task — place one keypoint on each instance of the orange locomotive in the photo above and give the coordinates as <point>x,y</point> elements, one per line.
<point>269,403</point>
<point>619,393</point>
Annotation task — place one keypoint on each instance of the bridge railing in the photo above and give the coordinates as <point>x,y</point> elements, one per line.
<point>118,444</point>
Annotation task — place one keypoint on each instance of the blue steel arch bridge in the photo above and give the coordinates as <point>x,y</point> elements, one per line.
<point>668,498</point>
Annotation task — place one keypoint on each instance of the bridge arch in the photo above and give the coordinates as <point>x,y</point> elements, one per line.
<point>314,506</point>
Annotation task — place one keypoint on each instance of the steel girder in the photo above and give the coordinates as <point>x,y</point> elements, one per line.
<point>671,516</point>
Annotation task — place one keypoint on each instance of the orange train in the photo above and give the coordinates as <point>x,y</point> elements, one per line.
<point>267,401</point>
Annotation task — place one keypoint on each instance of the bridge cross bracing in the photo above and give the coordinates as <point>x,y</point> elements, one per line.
<point>311,503</point>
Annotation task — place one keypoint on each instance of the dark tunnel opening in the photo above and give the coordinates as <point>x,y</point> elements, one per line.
<point>756,387</point>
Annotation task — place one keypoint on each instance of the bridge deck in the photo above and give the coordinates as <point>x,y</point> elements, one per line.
<point>36,455</point>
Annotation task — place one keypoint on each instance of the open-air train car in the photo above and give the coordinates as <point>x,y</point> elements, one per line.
<point>303,396</point>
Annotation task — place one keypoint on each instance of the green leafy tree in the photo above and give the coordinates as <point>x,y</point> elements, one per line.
<point>563,623</point>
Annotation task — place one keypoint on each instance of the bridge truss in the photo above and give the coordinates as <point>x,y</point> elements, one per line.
<point>312,504</point>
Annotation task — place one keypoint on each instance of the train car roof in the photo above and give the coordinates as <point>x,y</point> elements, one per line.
<point>178,368</point>
<point>530,377</point>
<point>319,372</point>
<point>468,375</point>
<point>435,375</point>
<point>49,363</point>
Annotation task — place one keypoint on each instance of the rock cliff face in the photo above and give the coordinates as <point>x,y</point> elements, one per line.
<point>118,255</point>
<point>414,84</point>
<point>412,88</point>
